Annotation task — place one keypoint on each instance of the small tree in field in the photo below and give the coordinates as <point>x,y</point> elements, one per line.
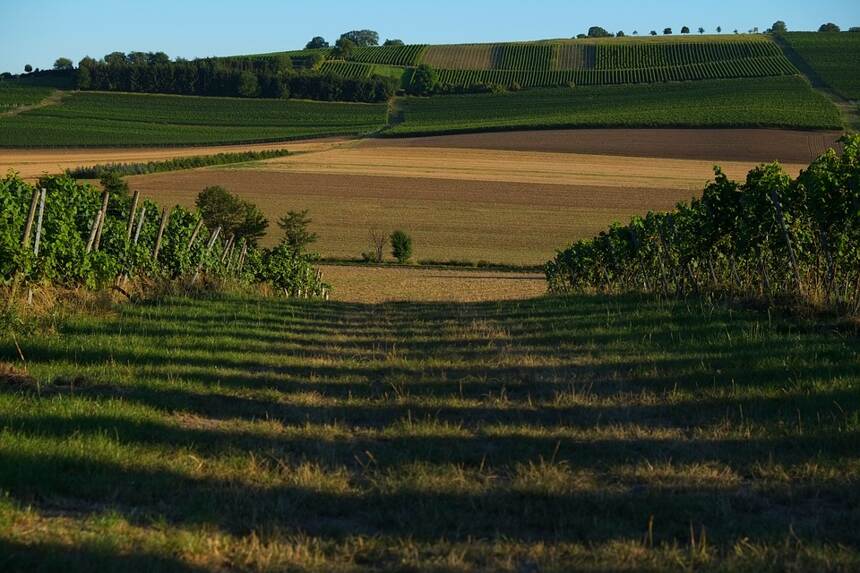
<point>28,68</point>
<point>401,246</point>
<point>667,31</point>
<point>685,30</point>
<point>297,235</point>
<point>701,30</point>
<point>719,29</point>
<point>653,32</point>
<point>829,27</point>
<point>63,64</point>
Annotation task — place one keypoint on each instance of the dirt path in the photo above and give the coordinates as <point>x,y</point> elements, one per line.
<point>52,99</point>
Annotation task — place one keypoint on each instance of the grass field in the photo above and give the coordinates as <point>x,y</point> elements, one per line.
<point>101,119</point>
<point>776,102</point>
<point>835,58</point>
<point>544,435</point>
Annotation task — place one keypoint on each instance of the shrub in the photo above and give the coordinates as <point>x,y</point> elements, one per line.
<point>401,246</point>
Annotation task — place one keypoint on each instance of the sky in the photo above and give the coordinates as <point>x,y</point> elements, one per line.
<point>37,32</point>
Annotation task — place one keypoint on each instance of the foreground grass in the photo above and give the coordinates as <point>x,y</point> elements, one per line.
<point>787,102</point>
<point>545,435</point>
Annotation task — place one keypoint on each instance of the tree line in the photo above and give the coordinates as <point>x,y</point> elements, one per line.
<point>778,27</point>
<point>249,77</point>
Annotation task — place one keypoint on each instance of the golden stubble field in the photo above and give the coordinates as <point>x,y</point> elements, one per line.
<point>494,205</point>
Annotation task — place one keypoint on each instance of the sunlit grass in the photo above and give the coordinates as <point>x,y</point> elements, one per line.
<point>541,435</point>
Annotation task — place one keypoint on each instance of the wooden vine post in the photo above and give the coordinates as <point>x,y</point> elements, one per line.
<point>96,229</point>
<point>135,200</point>
<point>25,242</point>
<point>165,215</point>
<point>38,241</point>
<point>787,238</point>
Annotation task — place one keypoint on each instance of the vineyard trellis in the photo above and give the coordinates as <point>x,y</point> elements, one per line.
<point>771,236</point>
<point>747,68</point>
<point>71,235</point>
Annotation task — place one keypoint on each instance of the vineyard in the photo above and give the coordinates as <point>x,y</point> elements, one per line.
<point>12,97</point>
<point>835,58</point>
<point>71,235</point>
<point>746,68</point>
<point>768,237</point>
<point>634,56</point>
<point>389,55</point>
<point>102,119</point>
<point>775,102</point>
<point>622,61</point>
<point>347,69</point>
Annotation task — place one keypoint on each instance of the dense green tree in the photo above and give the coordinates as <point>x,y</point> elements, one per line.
<point>854,29</point>
<point>719,29</point>
<point>63,64</point>
<point>157,58</point>
<point>249,86</point>
<point>401,246</point>
<point>343,49</point>
<point>685,30</point>
<point>297,234</point>
<point>829,27</point>
<point>137,58</point>
<point>362,38</point>
<point>116,59</point>
<point>779,27</point>
<point>424,80</point>
<point>316,43</point>
<point>653,32</point>
<point>598,32</point>
<point>28,68</point>
<point>581,36</point>
<point>667,31</point>
<point>241,219</point>
<point>620,34</point>
<point>394,42</point>
<point>701,30</point>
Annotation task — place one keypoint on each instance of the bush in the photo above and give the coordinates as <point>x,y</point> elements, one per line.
<point>401,246</point>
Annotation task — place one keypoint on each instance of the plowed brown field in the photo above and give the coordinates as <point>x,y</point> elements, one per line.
<point>759,145</point>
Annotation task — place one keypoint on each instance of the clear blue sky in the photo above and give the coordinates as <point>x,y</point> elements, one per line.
<point>38,31</point>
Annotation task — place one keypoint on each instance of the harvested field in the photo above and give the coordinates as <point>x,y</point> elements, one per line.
<point>367,284</point>
<point>510,166</point>
<point>497,206</point>
<point>758,145</point>
<point>473,57</point>
<point>33,163</point>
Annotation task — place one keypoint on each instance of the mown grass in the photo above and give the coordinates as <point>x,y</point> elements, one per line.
<point>544,435</point>
<point>119,119</point>
<point>772,102</point>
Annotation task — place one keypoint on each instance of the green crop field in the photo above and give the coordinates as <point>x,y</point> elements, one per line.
<point>776,102</point>
<point>578,433</point>
<point>834,57</point>
<point>13,96</point>
<point>101,119</point>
